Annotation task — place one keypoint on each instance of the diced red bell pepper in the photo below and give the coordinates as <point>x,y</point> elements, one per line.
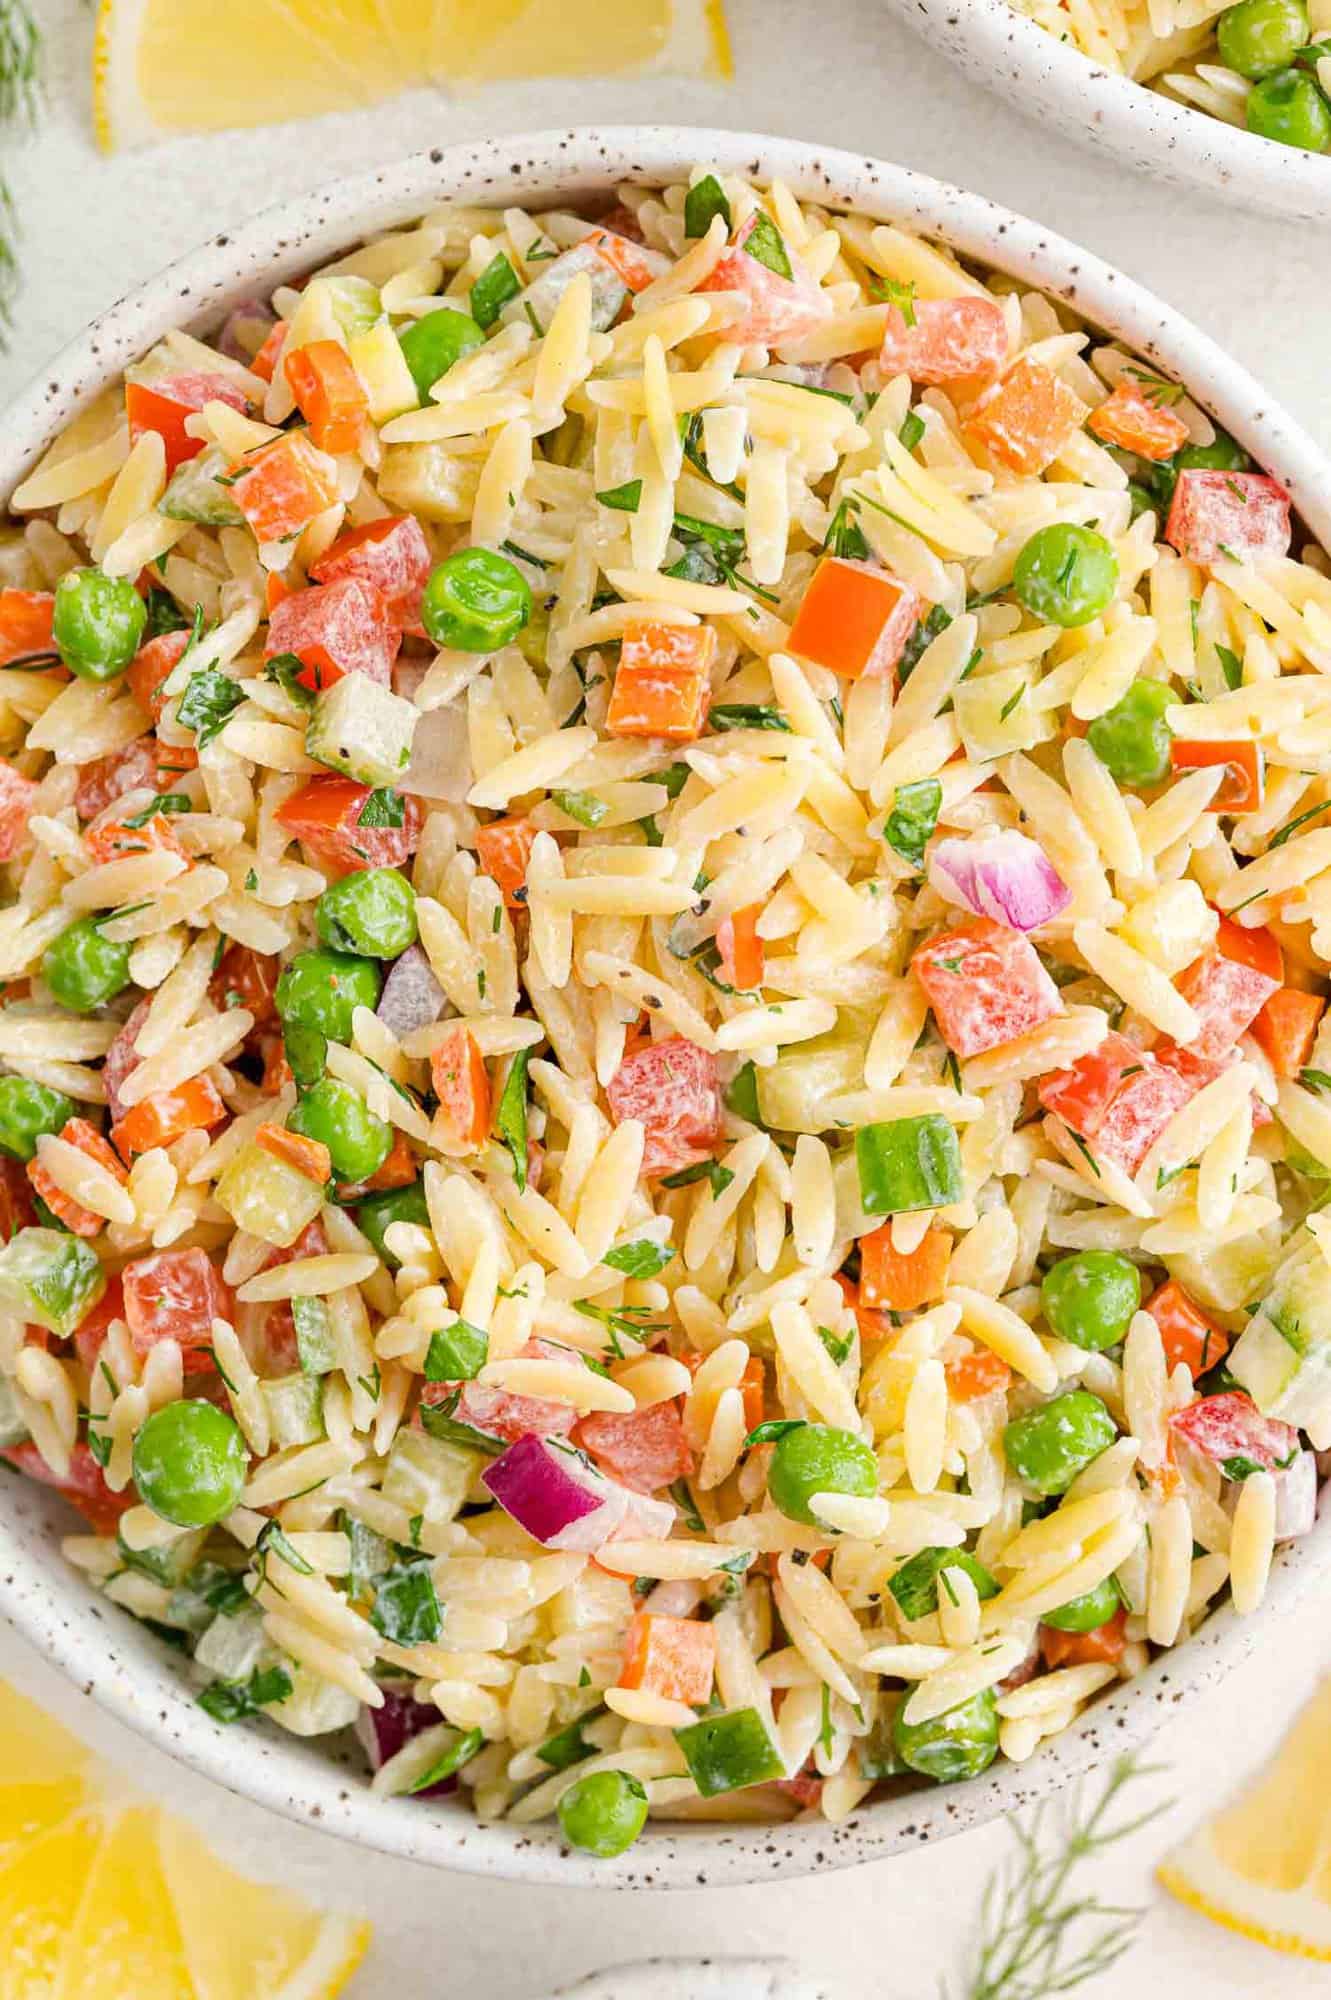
<point>335,629</point>
<point>673,1088</point>
<point>1226,995</point>
<point>625,257</point>
<point>1119,1098</point>
<point>118,772</point>
<point>1185,1331</point>
<point>1103,1644</point>
<point>1025,420</point>
<point>16,797</point>
<point>973,1376</point>
<point>894,1281</point>
<point>806,1787</point>
<point>1230,1428</point>
<point>391,556</point>
<point>1135,420</point>
<point>1286,1029</point>
<point>325,816</point>
<point>328,394</point>
<point>503,849</point>
<point>115,839</point>
<point>152,666</point>
<point>275,589</point>
<point>644,1449</point>
<point>777,309</point>
<point>276,1069</point>
<point>854,619</point>
<point>462,1086</point>
<point>950,339</point>
<point>92,1329</point>
<point>662,684</point>
<point>164,404</point>
<point>174,1295</point>
<point>743,959</point>
<point>282,488</point>
<point>986,986</point>
<point>121,1059</point>
<point>25,625</point>
<point>167,1115</point>
<point>76,1132</point>
<point>1256,948</point>
<point>1243,785</point>
<point>16,1209</point>
<point>84,1486</point>
<point>248,979</point>
<point>499,1414</point>
<point>1228,513</point>
<point>265,361</point>
<point>268,1332</point>
<point>671,1657</point>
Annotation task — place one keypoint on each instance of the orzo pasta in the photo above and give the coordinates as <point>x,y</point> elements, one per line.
<point>664,1081</point>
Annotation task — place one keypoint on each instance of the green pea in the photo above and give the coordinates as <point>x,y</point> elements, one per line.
<point>322,989</point>
<point>1066,575</point>
<point>603,1813</point>
<point>1260,36</point>
<point>380,1211</point>
<point>358,1143</point>
<point>817,1458</point>
<point>959,1744</point>
<point>1089,1298</point>
<point>1132,738</point>
<point>98,623</point>
<point>1290,109</point>
<point>1086,1613</point>
<point>84,969</point>
<point>371,913</point>
<point>190,1463</point>
<point>26,1111</point>
<point>1223,454</point>
<point>475,602</point>
<point>1048,1447</point>
<point>433,344</point>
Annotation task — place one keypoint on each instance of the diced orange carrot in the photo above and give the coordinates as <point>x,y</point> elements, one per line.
<point>661,684</point>
<point>25,625</point>
<point>161,1119</point>
<point>672,1657</point>
<point>1242,789</point>
<point>87,1139</point>
<point>118,839</point>
<point>752,1385</point>
<point>1257,948</point>
<point>248,979</point>
<point>329,395</point>
<point>1287,1027</point>
<point>307,1156</point>
<point>265,361</point>
<point>503,849</point>
<point>743,959</point>
<point>893,1282</point>
<point>1084,1649</point>
<point>280,489</point>
<point>276,1069</point>
<point>275,590</point>
<point>398,1170</point>
<point>1185,1332</point>
<point>457,1070</point>
<point>1025,420</point>
<point>854,619</point>
<point>1137,419</point>
<point>976,1375</point>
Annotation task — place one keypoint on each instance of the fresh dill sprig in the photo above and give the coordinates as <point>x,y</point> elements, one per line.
<point>1039,1933</point>
<point>20,97</point>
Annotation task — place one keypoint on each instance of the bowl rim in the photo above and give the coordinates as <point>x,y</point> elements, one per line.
<point>113,1659</point>
<point>1104,108</point>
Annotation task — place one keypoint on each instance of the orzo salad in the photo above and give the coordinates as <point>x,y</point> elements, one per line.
<point>666,1090</point>
<point>1264,65</point>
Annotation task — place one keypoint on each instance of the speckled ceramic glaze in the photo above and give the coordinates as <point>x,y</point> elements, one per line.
<point>701,1979</point>
<point>1050,81</point>
<point>101,1648</point>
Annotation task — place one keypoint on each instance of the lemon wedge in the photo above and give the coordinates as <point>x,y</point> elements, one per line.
<point>101,1893</point>
<point>1262,1866</point>
<point>163,67</point>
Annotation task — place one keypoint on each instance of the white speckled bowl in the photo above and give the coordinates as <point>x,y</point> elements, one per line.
<point>102,1649</point>
<point>1050,81</point>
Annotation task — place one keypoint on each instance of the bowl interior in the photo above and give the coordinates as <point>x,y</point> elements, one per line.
<point>118,1661</point>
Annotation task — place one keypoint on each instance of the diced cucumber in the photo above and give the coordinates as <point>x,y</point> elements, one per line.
<point>194,493</point>
<point>170,1562</point>
<point>295,1409</point>
<point>363,730</point>
<point>1283,1357</point>
<point>314,1336</point>
<point>51,1277</point>
<point>232,1648</point>
<point>424,479</point>
<point>355,302</point>
<point>315,1707</point>
<point>384,375</point>
<point>427,1476</point>
<point>267,1198</point>
<point>13,1430</point>
<point>793,1091</point>
<point>996,714</point>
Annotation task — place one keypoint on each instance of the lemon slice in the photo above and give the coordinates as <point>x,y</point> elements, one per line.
<point>101,1894</point>
<point>1262,1866</point>
<point>162,67</point>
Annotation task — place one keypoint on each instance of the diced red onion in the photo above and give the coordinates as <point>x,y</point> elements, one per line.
<point>412,997</point>
<point>246,328</point>
<point>1296,1498</point>
<point>555,1494</point>
<point>440,766</point>
<point>384,1731</point>
<point>1001,875</point>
